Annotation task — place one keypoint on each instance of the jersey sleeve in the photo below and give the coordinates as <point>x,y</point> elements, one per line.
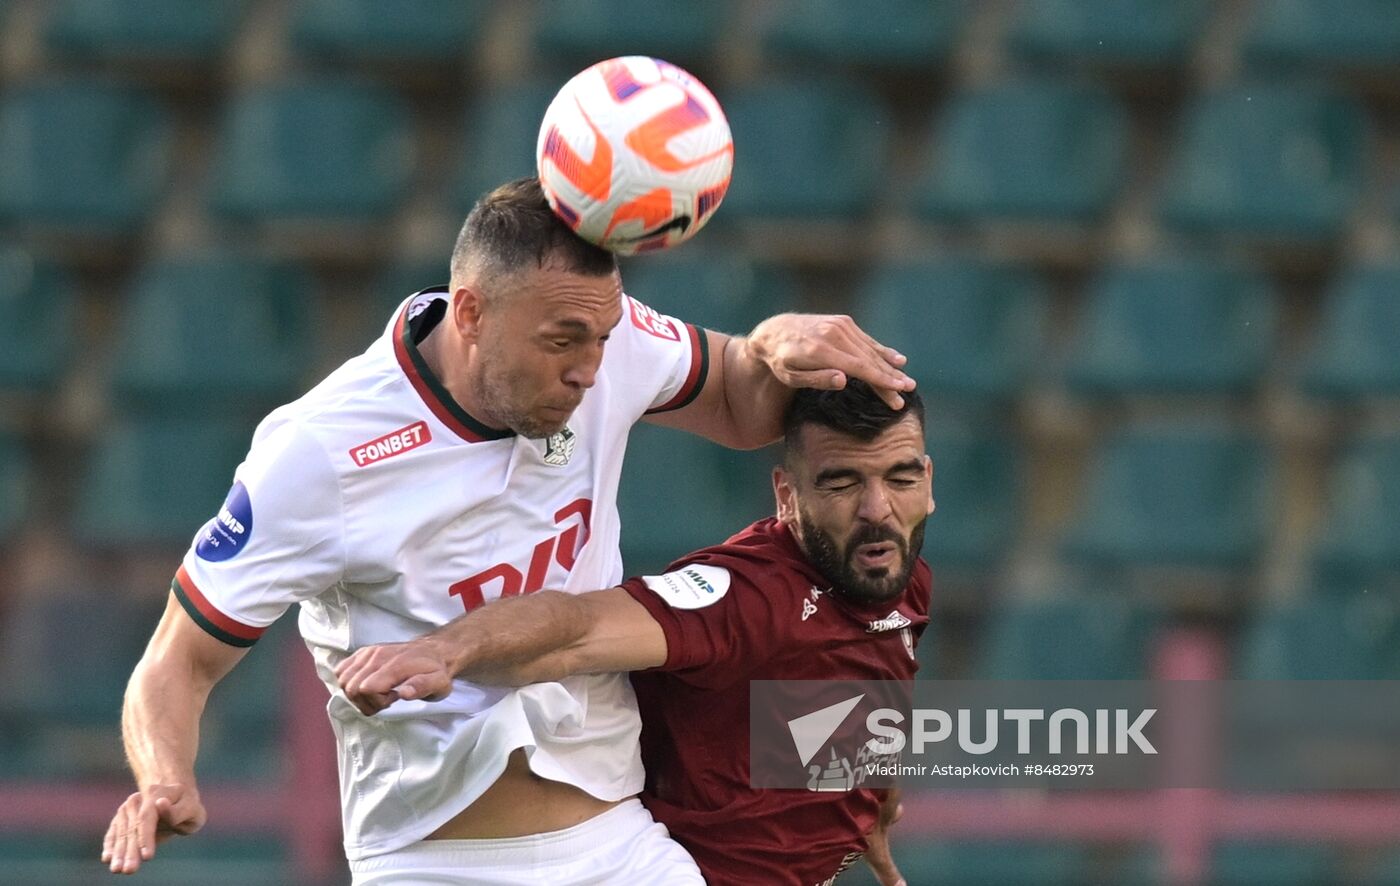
<point>670,358</point>
<point>720,618</point>
<point>278,539</point>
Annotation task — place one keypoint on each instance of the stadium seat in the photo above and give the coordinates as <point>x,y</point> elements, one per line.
<point>214,335</point>
<point>85,156</point>
<point>1177,328</point>
<point>402,30</point>
<point>969,329</point>
<point>720,491</point>
<point>157,483</point>
<point>721,291</point>
<point>984,864</point>
<point>1274,864</point>
<point>14,485</point>
<point>1137,33</point>
<point>1065,638</point>
<point>1179,497</point>
<point>1361,538</point>
<point>37,315</point>
<point>1025,151</point>
<point>807,150</point>
<point>66,696</point>
<point>1322,638</point>
<point>977,492</point>
<point>598,29</point>
<point>499,132</point>
<point>40,859</point>
<point>910,34</point>
<point>242,729</point>
<point>1289,34</point>
<point>1267,160</point>
<point>329,150</point>
<point>1353,353</point>
<point>164,30</point>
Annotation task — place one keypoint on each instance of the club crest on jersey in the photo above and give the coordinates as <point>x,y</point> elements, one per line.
<point>892,622</point>
<point>559,448</point>
<point>228,533</point>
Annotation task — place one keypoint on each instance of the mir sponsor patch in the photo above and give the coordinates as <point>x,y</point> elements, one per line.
<point>228,533</point>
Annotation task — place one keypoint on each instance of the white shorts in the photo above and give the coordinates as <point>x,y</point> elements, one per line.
<point>623,846</point>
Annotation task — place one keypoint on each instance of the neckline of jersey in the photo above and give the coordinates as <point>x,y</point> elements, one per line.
<point>430,389</point>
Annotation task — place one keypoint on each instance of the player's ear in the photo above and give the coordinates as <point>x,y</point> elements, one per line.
<point>785,494</point>
<point>467,303</point>
<point>928,473</point>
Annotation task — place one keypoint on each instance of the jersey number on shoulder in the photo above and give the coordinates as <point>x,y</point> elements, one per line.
<point>562,547</point>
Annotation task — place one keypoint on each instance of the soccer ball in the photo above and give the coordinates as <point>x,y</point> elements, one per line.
<point>634,154</point>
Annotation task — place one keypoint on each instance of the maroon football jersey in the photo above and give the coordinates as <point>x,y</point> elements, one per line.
<point>776,620</point>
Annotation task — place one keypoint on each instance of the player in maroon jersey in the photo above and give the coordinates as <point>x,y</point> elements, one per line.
<point>832,588</point>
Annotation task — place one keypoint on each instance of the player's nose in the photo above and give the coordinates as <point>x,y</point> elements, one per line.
<point>875,505</point>
<point>582,374</point>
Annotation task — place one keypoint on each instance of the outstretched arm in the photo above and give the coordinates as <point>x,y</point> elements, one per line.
<point>535,638</point>
<point>742,402</point>
<point>160,728</point>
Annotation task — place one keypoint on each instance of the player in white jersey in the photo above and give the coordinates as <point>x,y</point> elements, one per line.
<point>456,461</point>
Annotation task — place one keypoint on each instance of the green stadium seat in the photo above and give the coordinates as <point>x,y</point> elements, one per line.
<point>805,150</point>
<point>910,34</point>
<point>241,734</point>
<point>1025,151</point>
<point>14,485</point>
<point>156,483</point>
<point>37,316</point>
<point>1387,869</point>
<point>597,29</point>
<point>327,150</point>
<point>1274,864</point>
<point>85,156</point>
<point>720,291</point>
<point>500,131</point>
<point>1353,353</point>
<point>1176,328</point>
<point>66,696</point>
<point>146,30</point>
<point>1362,537</point>
<point>1135,33</point>
<point>976,490</point>
<point>41,859</point>
<point>1175,497</point>
<point>1289,34</point>
<point>985,864</point>
<point>722,491</point>
<point>969,329</point>
<point>1322,638</point>
<point>1267,160</point>
<point>401,30</point>
<point>222,861</point>
<point>1065,638</point>
<point>214,335</point>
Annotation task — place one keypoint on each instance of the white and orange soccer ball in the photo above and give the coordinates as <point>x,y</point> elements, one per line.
<point>635,154</point>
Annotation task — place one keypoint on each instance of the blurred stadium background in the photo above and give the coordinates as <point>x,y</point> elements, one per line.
<point>1142,253</point>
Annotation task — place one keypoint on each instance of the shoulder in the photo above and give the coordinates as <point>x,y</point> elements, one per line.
<point>760,557</point>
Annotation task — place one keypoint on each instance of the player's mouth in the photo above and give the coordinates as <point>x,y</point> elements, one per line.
<point>876,555</point>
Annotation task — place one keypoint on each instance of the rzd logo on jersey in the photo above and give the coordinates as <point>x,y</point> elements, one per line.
<point>562,548</point>
<point>648,320</point>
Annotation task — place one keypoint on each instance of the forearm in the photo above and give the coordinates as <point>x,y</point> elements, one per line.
<point>513,641</point>
<point>754,398</point>
<point>160,724</point>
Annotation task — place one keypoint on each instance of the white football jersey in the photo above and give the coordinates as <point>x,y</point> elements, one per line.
<point>384,509</point>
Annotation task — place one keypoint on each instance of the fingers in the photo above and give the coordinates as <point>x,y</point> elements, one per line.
<point>124,847</point>
<point>429,687</point>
